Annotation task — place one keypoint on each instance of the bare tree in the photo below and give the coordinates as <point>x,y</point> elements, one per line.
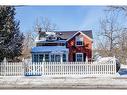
<point>109,33</point>
<point>45,25</point>
<point>28,44</point>
<point>113,33</point>
<point>122,46</point>
<point>122,9</point>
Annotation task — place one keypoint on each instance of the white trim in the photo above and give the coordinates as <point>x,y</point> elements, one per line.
<point>81,33</point>
<point>67,56</point>
<point>76,56</point>
<point>61,57</point>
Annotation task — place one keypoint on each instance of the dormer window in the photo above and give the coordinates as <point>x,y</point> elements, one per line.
<point>51,38</point>
<point>79,41</point>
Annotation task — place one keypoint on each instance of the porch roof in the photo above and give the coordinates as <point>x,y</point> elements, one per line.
<point>53,49</point>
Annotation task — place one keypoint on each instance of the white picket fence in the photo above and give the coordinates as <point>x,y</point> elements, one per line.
<point>12,69</point>
<point>58,69</point>
<point>70,69</point>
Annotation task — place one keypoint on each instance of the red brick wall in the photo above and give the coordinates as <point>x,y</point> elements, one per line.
<point>86,48</point>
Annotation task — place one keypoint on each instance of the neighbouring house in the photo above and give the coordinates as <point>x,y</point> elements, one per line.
<point>63,46</point>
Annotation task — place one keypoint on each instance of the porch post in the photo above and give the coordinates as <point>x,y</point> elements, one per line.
<point>67,57</point>
<point>61,57</point>
<point>44,57</point>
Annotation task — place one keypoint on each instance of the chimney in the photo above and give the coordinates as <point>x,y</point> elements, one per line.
<point>39,31</point>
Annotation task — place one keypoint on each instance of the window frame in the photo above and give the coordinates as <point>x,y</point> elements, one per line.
<point>35,58</point>
<point>82,57</point>
<point>64,57</point>
<point>48,57</point>
<point>41,57</point>
<point>77,39</point>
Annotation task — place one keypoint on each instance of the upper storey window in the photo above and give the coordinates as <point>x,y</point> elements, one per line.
<point>79,41</point>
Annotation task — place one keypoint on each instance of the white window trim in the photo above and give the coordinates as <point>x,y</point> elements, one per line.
<point>76,56</point>
<point>76,41</point>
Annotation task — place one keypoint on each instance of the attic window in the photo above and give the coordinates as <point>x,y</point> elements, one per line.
<point>51,37</point>
<point>79,41</point>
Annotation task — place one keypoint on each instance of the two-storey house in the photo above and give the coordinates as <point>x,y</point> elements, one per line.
<point>63,46</point>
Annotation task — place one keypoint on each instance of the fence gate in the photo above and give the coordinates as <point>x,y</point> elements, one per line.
<point>33,69</point>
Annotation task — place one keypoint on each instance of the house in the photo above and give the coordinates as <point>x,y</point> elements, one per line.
<point>63,46</point>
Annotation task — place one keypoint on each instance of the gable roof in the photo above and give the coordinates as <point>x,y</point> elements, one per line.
<point>80,33</point>
<point>68,34</point>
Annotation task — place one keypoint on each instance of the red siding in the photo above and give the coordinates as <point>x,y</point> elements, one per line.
<point>86,48</point>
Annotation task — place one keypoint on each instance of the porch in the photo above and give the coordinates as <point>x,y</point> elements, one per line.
<point>50,54</point>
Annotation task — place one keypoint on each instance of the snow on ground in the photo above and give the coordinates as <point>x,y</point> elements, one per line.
<point>123,66</point>
<point>40,82</point>
<point>123,71</point>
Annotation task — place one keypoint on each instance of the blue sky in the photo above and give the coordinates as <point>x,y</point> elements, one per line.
<point>65,17</point>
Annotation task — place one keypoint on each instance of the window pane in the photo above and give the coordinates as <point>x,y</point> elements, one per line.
<point>41,56</point>
<point>52,58</point>
<point>57,58</point>
<point>79,40</point>
<point>64,58</point>
<point>47,57</point>
<point>79,43</point>
<point>35,58</point>
<point>79,57</point>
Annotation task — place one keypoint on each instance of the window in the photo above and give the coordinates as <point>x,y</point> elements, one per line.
<point>52,58</point>
<point>41,56</point>
<point>79,57</point>
<point>64,58</point>
<point>51,37</point>
<point>35,58</point>
<point>79,41</point>
<point>47,57</point>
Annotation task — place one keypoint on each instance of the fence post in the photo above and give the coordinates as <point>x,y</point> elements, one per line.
<point>23,67</point>
<point>114,61</point>
<point>86,59</point>
<point>4,66</point>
